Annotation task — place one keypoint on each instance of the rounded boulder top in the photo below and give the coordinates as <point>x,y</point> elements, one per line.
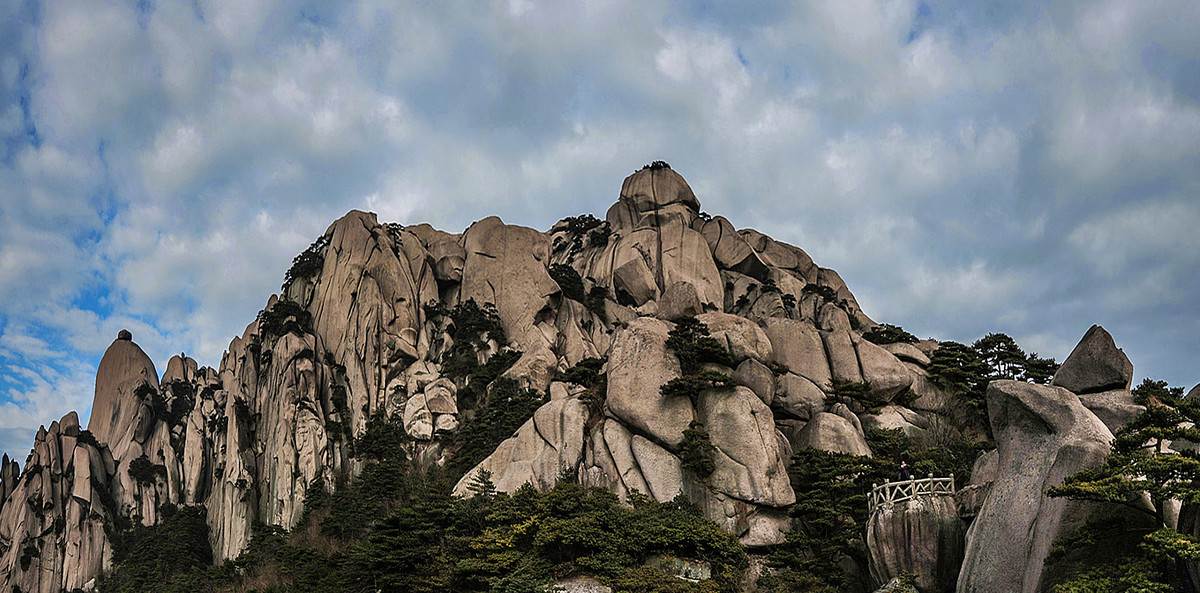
<point>124,335</point>
<point>657,185</point>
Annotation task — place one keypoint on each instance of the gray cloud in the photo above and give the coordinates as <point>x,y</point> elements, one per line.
<point>1029,168</point>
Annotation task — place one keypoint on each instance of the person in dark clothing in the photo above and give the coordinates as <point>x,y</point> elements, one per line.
<point>905,471</point>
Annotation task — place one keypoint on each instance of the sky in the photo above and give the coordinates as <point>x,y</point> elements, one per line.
<point>968,167</point>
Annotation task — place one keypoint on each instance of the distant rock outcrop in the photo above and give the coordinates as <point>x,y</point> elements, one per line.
<point>1095,365</point>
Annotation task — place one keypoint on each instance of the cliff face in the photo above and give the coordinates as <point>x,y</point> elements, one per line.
<point>351,336</point>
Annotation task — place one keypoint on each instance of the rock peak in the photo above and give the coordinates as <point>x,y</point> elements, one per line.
<point>124,335</point>
<point>652,195</point>
<point>1095,365</point>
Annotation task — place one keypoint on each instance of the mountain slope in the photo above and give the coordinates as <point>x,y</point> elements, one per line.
<point>379,319</point>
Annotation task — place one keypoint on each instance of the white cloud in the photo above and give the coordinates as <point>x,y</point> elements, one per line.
<point>927,154</point>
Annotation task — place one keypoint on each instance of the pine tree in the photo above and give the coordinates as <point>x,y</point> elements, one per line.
<point>1141,465</point>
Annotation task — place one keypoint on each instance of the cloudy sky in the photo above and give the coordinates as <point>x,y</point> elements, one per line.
<point>1025,167</point>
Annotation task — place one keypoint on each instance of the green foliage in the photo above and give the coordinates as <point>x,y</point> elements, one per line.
<point>693,346</point>
<point>690,386</point>
<point>1140,464</point>
<point>308,264</point>
<point>582,230</point>
<point>471,326</point>
<point>1003,357</point>
<point>573,529</point>
<point>585,373</point>
<point>842,391</point>
<point>594,301</point>
<point>831,514</point>
<point>284,318</point>
<point>891,446</point>
<point>652,580</point>
<point>656,166</point>
<point>171,557</point>
<point>1111,554</point>
<point>183,399</point>
<point>696,450</point>
<point>958,368</point>
<point>826,293</point>
<point>1125,575</point>
<point>28,553</point>
<point>886,333</point>
<point>966,370</point>
<point>85,437</point>
<point>424,540</point>
<point>384,438</point>
<point>1159,392</point>
<point>1039,370</point>
<point>507,406</point>
<point>143,471</point>
<point>569,281</point>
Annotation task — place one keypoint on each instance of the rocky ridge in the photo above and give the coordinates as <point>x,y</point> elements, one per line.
<point>360,331</point>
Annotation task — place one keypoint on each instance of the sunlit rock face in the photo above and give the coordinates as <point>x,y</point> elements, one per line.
<point>355,334</point>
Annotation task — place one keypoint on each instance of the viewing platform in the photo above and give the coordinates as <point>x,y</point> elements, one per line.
<point>889,493</point>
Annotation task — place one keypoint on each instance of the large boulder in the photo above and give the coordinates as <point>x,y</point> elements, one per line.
<point>741,337</point>
<point>756,376</point>
<point>622,462</point>
<point>893,417</point>
<point>797,345</point>
<point>1114,408</point>
<point>650,192</point>
<point>883,372</point>
<point>1043,434</point>
<point>751,456</point>
<point>730,250</point>
<point>1095,365</point>
<point>124,380</point>
<point>542,449</point>
<point>639,365</point>
<point>922,537</point>
<point>508,265</point>
<point>833,433</point>
<point>798,397</point>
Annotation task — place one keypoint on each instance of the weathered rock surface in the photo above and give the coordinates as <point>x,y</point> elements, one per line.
<point>833,433</point>
<point>639,365</point>
<point>1043,434</point>
<point>798,397</point>
<point>1114,408</point>
<point>751,457</point>
<point>893,417</point>
<point>797,345</point>
<point>1096,364</point>
<point>922,537</point>
<point>544,447</point>
<point>350,339</point>
<point>55,512</point>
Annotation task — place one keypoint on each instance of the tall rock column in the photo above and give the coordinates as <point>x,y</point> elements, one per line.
<point>1043,434</point>
<point>922,536</point>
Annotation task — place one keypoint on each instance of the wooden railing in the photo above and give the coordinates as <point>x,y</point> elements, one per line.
<point>887,494</point>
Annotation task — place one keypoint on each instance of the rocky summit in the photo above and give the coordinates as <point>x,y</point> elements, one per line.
<point>659,352</point>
